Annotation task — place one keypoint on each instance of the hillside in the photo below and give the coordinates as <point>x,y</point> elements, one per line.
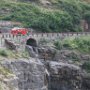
<point>47,15</point>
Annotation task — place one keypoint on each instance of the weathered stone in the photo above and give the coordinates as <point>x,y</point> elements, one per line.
<point>10,45</point>
<point>50,75</point>
<point>70,56</point>
<point>33,51</point>
<point>30,74</point>
<point>64,76</point>
<point>86,81</point>
<point>46,53</point>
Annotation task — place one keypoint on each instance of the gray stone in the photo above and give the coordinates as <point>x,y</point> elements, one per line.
<point>64,76</point>
<point>50,75</point>
<point>30,74</point>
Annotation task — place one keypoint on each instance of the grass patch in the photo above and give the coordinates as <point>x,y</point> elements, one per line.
<point>58,45</point>
<point>81,44</point>
<point>4,71</point>
<point>13,54</point>
<point>5,74</point>
<point>3,53</point>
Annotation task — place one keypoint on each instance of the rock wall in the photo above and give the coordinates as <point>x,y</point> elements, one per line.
<point>64,76</point>
<point>36,74</point>
<point>30,74</point>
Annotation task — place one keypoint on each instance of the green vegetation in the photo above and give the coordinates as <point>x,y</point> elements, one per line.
<point>43,41</point>
<point>13,54</point>
<point>58,45</point>
<point>4,71</point>
<point>63,16</point>
<point>5,74</point>
<point>81,44</point>
<point>3,53</point>
<point>86,66</point>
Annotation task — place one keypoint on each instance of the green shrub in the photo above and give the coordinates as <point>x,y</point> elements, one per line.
<point>81,44</point>
<point>13,54</point>
<point>25,54</point>
<point>87,17</point>
<point>58,45</point>
<point>65,16</point>
<point>3,53</point>
<point>86,66</point>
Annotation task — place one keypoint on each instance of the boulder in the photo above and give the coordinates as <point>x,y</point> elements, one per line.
<point>10,45</point>
<point>46,53</point>
<point>64,76</point>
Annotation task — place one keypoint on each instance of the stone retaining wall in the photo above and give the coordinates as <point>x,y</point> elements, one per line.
<point>19,39</point>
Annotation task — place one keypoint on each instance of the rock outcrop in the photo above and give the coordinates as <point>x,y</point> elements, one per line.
<point>46,53</point>
<point>36,74</point>
<point>64,76</point>
<point>30,74</point>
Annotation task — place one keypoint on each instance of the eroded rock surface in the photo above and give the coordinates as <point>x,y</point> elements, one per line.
<point>36,74</point>
<point>30,74</point>
<point>64,76</point>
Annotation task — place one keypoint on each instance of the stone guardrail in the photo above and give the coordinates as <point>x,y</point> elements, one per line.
<point>19,38</point>
<point>9,35</point>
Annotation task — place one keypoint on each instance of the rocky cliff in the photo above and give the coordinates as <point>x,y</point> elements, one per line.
<point>47,68</point>
<point>35,74</point>
<point>28,75</point>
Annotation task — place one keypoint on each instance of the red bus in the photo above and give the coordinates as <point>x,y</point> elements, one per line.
<point>19,31</point>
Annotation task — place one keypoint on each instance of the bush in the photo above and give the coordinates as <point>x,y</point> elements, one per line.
<point>87,17</point>
<point>3,53</point>
<point>65,16</point>
<point>68,43</point>
<point>13,54</point>
<point>25,54</point>
<point>58,45</point>
<point>86,66</point>
<point>81,44</point>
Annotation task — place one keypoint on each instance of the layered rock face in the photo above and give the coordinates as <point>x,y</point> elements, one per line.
<point>35,74</point>
<point>30,74</point>
<point>64,76</point>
